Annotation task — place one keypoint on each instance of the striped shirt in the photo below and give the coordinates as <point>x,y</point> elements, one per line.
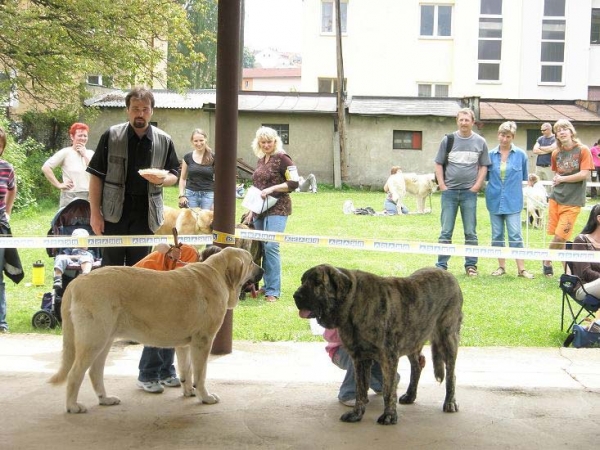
<point>7,183</point>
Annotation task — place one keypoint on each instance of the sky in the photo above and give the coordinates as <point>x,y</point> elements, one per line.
<point>273,24</point>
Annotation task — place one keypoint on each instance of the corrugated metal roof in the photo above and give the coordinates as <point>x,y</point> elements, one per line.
<point>535,112</point>
<point>403,106</point>
<point>267,102</point>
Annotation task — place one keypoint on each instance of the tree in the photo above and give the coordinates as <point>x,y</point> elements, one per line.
<point>200,68</point>
<point>249,59</point>
<point>47,47</point>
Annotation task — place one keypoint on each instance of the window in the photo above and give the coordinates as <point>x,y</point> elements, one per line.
<point>595,31</point>
<point>328,16</point>
<point>489,51</point>
<point>283,130</point>
<point>329,85</point>
<point>552,51</point>
<point>436,20</point>
<point>95,80</point>
<point>493,7</point>
<point>407,140</point>
<point>433,90</point>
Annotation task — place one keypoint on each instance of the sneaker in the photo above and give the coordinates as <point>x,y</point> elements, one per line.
<point>170,382</point>
<point>154,387</point>
<point>4,330</point>
<point>57,283</point>
<point>350,402</point>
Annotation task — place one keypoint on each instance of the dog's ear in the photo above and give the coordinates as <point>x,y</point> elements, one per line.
<point>339,281</point>
<point>236,272</point>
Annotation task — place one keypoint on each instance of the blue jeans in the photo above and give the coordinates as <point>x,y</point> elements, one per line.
<point>348,388</point>
<point>271,262</point>
<point>200,199</point>
<point>156,364</point>
<point>452,201</point>
<point>3,323</point>
<point>513,228</point>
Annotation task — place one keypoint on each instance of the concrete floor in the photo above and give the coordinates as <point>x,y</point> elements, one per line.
<point>284,395</point>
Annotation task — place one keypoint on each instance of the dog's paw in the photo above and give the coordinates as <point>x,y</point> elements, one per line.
<point>352,416</point>
<point>407,399</point>
<point>450,407</point>
<point>388,419</point>
<point>211,399</point>
<point>189,392</point>
<point>110,401</point>
<point>77,408</point>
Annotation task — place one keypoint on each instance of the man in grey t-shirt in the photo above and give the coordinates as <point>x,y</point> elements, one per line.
<point>460,181</point>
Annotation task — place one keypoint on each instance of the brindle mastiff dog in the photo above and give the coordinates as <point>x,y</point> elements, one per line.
<point>381,319</point>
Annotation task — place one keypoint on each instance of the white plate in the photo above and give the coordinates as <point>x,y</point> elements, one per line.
<point>155,172</point>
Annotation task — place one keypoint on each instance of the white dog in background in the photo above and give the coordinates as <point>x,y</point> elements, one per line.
<point>421,186</point>
<point>536,200</point>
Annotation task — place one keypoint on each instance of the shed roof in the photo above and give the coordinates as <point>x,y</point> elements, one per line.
<point>404,106</point>
<point>247,101</point>
<point>547,111</point>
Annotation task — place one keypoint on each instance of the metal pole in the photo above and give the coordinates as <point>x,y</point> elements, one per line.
<point>226,116</point>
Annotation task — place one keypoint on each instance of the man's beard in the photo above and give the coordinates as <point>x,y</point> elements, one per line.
<point>139,123</point>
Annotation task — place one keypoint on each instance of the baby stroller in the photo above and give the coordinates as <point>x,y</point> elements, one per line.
<point>73,216</point>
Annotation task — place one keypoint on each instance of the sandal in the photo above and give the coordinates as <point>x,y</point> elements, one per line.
<point>523,273</point>
<point>548,271</point>
<point>499,272</point>
<point>471,271</point>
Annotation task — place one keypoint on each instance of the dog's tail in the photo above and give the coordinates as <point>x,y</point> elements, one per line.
<point>438,362</point>
<point>68,352</point>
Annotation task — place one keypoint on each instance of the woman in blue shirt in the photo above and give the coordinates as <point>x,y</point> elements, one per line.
<point>504,195</point>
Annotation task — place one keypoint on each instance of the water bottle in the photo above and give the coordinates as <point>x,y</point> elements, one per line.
<point>38,273</point>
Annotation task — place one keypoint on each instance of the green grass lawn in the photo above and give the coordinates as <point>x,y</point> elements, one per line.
<point>505,311</point>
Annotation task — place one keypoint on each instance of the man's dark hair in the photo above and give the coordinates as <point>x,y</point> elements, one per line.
<point>140,93</point>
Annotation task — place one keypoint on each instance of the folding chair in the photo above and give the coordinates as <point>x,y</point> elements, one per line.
<point>579,309</point>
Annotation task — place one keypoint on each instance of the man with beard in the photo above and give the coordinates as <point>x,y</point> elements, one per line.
<point>125,202</point>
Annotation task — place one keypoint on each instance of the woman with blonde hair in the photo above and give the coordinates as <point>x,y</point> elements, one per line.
<point>504,195</point>
<point>275,176</point>
<point>196,182</point>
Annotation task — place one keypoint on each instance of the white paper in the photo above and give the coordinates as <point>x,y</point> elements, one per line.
<point>255,203</point>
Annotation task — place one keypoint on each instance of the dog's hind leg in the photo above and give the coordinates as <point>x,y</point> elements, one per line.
<point>85,356</point>
<point>444,349</point>
<point>410,395</point>
<point>97,377</point>
<point>362,373</point>
<point>184,366</point>
<point>199,354</point>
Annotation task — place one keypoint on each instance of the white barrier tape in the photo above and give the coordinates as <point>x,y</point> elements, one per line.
<point>321,241</point>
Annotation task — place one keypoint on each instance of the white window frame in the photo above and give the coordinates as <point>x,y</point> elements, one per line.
<point>344,17</point>
<point>94,80</point>
<point>436,21</point>
<point>491,19</point>
<point>433,89</point>
<point>543,64</point>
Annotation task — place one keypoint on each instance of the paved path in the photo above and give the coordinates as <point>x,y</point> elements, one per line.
<point>283,396</point>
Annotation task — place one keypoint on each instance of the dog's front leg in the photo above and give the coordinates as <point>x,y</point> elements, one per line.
<point>389,369</point>
<point>199,353</point>
<point>184,366</point>
<point>362,373</point>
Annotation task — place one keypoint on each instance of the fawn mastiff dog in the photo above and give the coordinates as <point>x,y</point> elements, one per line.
<point>182,308</point>
<point>187,221</point>
<point>383,318</point>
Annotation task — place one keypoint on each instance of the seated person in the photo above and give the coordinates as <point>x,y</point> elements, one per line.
<point>78,256</point>
<point>308,184</point>
<point>340,357</point>
<point>588,239</point>
<point>395,188</point>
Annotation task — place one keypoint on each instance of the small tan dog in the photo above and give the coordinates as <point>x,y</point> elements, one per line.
<point>188,221</point>
<point>421,186</point>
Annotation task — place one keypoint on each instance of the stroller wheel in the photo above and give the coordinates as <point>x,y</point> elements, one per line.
<point>43,320</point>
